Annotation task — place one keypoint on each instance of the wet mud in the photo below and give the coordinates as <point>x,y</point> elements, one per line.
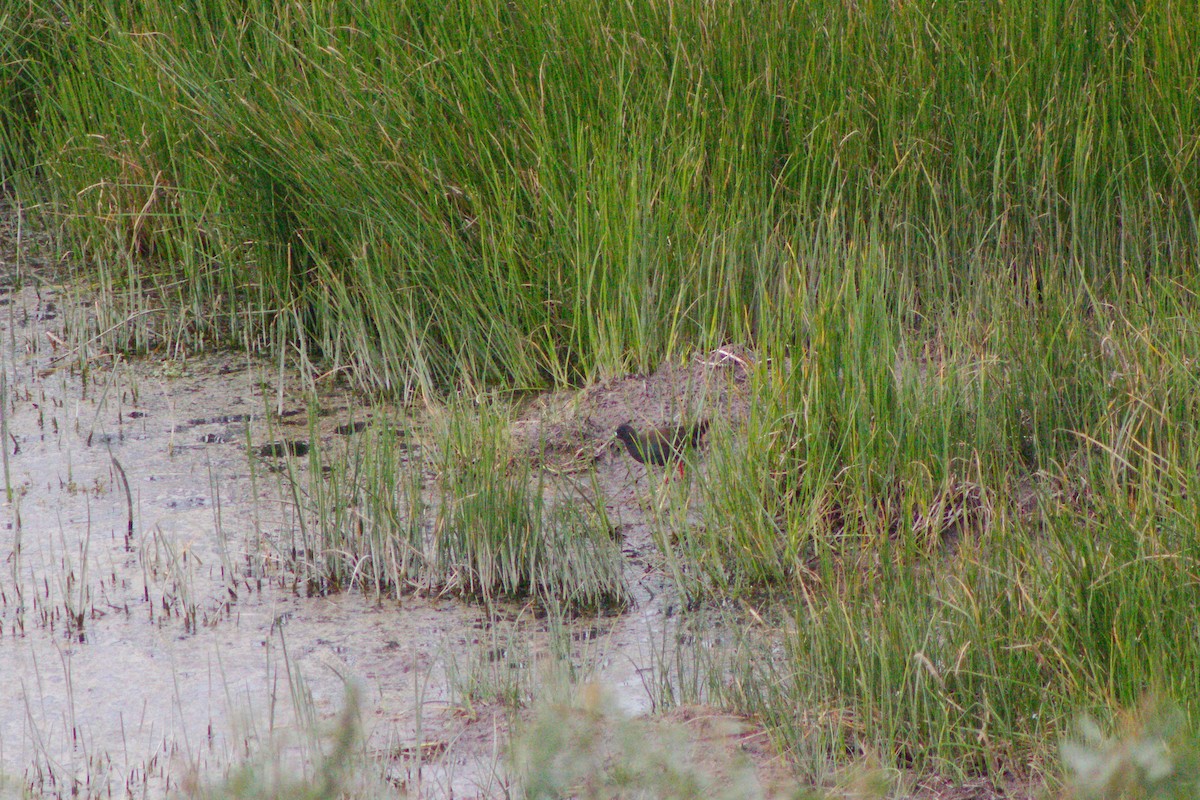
<point>148,629</point>
<point>151,634</point>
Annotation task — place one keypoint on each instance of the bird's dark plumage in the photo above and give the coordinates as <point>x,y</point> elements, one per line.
<point>661,446</point>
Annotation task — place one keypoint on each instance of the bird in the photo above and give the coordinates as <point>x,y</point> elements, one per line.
<point>662,446</point>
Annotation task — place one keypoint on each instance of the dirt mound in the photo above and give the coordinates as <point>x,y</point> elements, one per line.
<point>570,431</point>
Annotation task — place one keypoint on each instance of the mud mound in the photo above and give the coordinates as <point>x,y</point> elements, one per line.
<point>572,430</point>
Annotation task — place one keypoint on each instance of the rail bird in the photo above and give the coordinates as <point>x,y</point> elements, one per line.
<point>662,446</point>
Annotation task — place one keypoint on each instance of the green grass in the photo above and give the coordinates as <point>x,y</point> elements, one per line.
<point>502,530</point>
<point>961,243</point>
<point>1054,440</point>
<point>546,193</point>
<point>363,521</point>
<point>453,508</point>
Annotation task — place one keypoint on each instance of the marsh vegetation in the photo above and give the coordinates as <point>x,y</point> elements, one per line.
<point>929,274</point>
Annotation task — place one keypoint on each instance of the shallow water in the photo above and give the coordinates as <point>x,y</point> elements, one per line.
<point>150,633</point>
<point>129,661</point>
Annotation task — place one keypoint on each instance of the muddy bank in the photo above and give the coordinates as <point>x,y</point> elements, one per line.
<point>151,630</point>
